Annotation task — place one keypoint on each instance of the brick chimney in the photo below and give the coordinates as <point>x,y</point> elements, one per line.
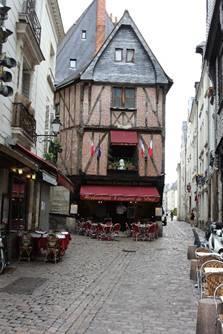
<point>100,24</point>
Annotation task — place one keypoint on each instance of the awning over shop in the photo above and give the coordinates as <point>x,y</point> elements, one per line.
<point>120,193</point>
<point>11,158</point>
<point>46,165</point>
<point>124,138</point>
<point>55,177</point>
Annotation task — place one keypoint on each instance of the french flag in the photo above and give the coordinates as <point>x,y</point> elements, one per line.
<point>142,148</point>
<point>92,149</point>
<point>98,152</point>
<point>150,149</point>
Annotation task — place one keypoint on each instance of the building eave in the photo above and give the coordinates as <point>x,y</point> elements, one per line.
<point>54,6</point>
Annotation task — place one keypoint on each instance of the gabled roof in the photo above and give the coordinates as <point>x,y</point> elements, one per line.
<point>73,47</point>
<point>157,76</point>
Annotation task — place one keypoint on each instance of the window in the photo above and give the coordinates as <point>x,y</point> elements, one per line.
<point>83,34</point>
<point>123,98</point>
<point>123,157</point>
<point>130,55</point>
<point>118,55</point>
<point>26,79</point>
<point>73,64</point>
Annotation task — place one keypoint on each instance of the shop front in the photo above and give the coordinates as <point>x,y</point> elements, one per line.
<point>120,203</point>
<point>25,182</point>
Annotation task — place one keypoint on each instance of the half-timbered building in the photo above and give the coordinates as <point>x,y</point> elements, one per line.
<point>111,97</point>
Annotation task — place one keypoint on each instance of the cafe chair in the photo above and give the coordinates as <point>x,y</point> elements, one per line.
<point>25,247</point>
<point>128,230</point>
<point>107,232</point>
<point>53,248</point>
<point>201,250</point>
<point>218,294</point>
<point>100,232</point>
<point>135,232</point>
<point>115,230</point>
<point>212,281</point>
<point>200,262</point>
<point>151,231</point>
<point>87,228</point>
<point>93,231</point>
<point>208,264</point>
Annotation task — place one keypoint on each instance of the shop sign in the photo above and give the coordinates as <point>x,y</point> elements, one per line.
<point>49,178</point>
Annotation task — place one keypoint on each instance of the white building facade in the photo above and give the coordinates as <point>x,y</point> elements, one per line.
<point>199,171</point>
<point>25,177</point>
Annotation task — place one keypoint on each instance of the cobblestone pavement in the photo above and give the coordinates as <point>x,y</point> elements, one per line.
<point>103,287</point>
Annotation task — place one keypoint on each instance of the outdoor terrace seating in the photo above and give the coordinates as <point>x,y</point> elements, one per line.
<point>39,245</point>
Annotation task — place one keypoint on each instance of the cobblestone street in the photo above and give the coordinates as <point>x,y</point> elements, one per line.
<point>105,287</point>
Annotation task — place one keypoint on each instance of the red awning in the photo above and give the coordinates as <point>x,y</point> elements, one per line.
<point>46,165</point>
<point>65,182</point>
<point>124,137</point>
<point>120,193</point>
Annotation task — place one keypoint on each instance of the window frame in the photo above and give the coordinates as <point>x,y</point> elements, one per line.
<point>84,34</point>
<point>75,61</point>
<point>133,57</point>
<point>123,99</point>
<point>122,55</point>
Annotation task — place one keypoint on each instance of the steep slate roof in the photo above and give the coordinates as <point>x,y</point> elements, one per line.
<point>155,75</point>
<point>73,47</point>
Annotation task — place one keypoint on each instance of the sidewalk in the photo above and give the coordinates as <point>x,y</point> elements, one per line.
<point>103,287</point>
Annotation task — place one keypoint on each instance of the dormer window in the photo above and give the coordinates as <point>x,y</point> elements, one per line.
<point>118,55</point>
<point>130,56</point>
<point>73,64</point>
<point>84,34</point>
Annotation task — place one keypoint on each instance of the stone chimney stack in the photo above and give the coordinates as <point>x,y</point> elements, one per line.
<point>100,24</point>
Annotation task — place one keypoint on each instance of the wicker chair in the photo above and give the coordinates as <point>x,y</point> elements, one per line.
<point>53,248</point>
<point>212,282</point>
<point>219,316</point>
<point>200,262</point>
<point>25,247</point>
<point>201,250</point>
<point>208,264</point>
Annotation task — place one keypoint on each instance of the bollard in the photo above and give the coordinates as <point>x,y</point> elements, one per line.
<point>193,270</point>
<point>206,315</point>
<point>191,252</point>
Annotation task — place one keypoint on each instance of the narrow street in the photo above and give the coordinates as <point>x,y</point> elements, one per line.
<point>105,287</point>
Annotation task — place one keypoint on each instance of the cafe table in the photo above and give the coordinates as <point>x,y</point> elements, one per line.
<point>39,242</point>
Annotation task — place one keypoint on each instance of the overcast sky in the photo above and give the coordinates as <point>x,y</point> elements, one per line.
<point>172,29</point>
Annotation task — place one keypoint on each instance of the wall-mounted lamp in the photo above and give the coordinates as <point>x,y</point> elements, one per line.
<point>20,171</point>
<point>56,124</point>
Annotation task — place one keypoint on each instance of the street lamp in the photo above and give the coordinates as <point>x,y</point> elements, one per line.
<point>54,146</point>
<point>56,124</point>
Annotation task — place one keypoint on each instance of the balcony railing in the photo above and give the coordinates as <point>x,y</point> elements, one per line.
<point>29,14</point>
<point>23,119</point>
